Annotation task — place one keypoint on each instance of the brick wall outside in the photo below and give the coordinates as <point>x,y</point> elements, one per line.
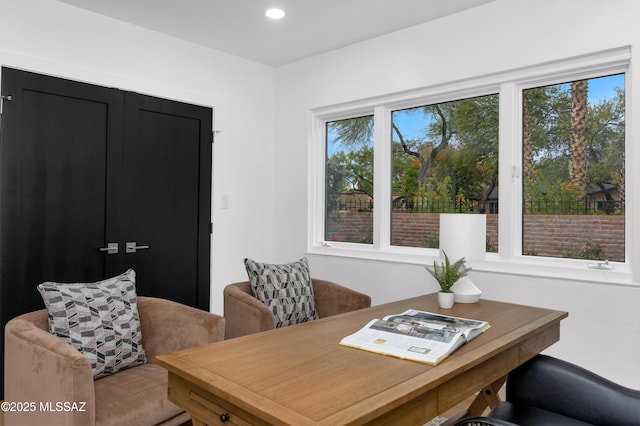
<point>545,235</point>
<point>349,226</point>
<point>550,235</point>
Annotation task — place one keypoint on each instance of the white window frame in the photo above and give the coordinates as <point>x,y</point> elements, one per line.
<point>509,85</point>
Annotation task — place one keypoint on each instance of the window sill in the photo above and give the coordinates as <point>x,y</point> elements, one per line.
<point>565,269</point>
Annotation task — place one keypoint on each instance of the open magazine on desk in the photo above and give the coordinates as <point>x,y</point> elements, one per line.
<point>416,335</point>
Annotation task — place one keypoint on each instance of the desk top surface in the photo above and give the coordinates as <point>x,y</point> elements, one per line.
<point>301,372</point>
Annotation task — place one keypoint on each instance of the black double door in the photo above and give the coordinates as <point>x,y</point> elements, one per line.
<point>94,181</point>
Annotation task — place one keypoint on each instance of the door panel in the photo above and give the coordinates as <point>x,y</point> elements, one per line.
<point>164,144</point>
<point>63,164</point>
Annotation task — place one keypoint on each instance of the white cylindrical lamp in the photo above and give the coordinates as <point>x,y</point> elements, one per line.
<point>464,235</point>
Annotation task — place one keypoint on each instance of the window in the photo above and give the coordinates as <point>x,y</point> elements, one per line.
<point>445,160</point>
<point>573,169</point>
<point>349,180</point>
<point>542,148</point>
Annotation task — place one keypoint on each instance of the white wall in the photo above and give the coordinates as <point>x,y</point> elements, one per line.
<point>602,332</point>
<point>54,38</point>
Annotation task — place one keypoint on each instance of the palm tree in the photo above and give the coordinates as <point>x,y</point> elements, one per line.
<point>578,137</point>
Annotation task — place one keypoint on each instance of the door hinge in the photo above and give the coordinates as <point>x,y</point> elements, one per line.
<point>2,99</point>
<point>213,135</point>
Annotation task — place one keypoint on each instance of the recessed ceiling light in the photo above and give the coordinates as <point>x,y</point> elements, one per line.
<point>274,13</point>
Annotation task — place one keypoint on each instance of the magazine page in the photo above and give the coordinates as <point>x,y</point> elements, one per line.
<point>416,335</point>
<point>470,328</point>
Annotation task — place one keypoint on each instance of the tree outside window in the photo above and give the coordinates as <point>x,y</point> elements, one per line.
<point>445,160</point>
<point>573,169</point>
<point>349,180</point>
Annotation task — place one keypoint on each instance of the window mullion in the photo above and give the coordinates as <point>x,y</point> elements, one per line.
<point>382,178</point>
<point>510,173</point>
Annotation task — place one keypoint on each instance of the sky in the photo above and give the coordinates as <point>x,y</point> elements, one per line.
<point>413,124</point>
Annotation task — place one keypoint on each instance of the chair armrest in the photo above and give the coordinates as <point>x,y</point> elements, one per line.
<point>564,388</point>
<point>333,299</point>
<point>40,367</point>
<point>244,313</point>
<point>169,326</point>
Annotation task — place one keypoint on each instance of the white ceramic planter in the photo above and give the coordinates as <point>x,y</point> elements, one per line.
<point>445,300</point>
<point>466,291</point>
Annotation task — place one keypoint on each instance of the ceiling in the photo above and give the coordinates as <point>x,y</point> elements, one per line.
<point>310,27</point>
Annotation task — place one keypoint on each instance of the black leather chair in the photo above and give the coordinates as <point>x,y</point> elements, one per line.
<point>548,391</point>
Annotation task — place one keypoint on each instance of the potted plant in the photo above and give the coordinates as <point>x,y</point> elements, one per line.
<point>447,274</point>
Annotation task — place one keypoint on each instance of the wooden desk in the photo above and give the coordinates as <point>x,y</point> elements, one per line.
<point>300,375</point>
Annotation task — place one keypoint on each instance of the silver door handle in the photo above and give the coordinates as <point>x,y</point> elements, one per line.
<point>131,247</point>
<point>111,248</point>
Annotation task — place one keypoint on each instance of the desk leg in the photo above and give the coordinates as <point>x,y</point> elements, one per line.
<point>486,398</point>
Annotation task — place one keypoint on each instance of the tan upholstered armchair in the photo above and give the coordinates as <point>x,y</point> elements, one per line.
<point>244,314</point>
<point>44,370</point>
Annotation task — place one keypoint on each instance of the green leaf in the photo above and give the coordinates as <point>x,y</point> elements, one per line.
<point>447,273</point>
